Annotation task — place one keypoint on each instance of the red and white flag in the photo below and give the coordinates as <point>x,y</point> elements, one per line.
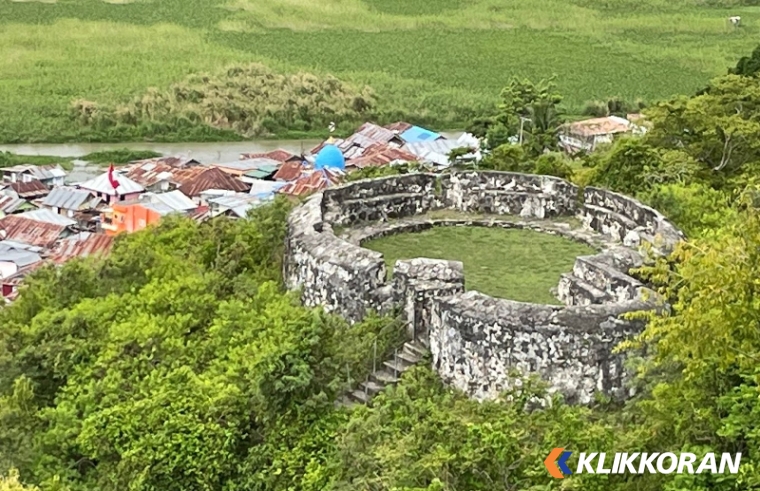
<point>111,178</point>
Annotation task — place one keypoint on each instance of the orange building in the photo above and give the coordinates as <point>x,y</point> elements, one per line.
<point>129,217</point>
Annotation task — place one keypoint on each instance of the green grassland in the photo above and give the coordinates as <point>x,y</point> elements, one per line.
<point>436,62</point>
<point>520,265</point>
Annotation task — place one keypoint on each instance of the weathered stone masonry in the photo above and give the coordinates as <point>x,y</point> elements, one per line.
<point>479,343</point>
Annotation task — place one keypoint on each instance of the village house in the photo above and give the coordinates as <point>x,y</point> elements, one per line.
<point>212,178</point>
<point>159,177</point>
<point>46,215</point>
<point>15,256</point>
<point>67,201</point>
<point>27,190</point>
<point>588,134</point>
<point>233,205</point>
<point>33,232</point>
<point>102,188</point>
<point>367,135</point>
<point>148,209</point>
<point>13,204</point>
<point>49,175</point>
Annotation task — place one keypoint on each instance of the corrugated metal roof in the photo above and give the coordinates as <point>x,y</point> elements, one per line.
<point>212,178</point>
<point>279,155</point>
<point>171,161</point>
<point>367,134</point>
<point>200,214</point>
<point>418,134</point>
<point>12,244</point>
<point>31,231</point>
<point>149,173</point>
<point>232,200</point>
<point>48,216</point>
<point>248,164</point>
<point>264,188</point>
<point>289,171</point>
<point>160,208</point>
<point>381,154</point>
<point>262,172</point>
<point>9,204</point>
<point>30,189</point>
<point>78,246</point>
<point>37,171</point>
<point>101,184</point>
<point>398,126</point>
<point>174,199</point>
<point>18,257</point>
<point>67,198</point>
<point>313,181</point>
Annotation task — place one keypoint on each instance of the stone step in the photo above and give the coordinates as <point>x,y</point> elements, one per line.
<point>410,358</point>
<point>605,221</point>
<point>383,377</point>
<point>603,277</point>
<point>371,386</point>
<point>360,396</point>
<point>399,365</point>
<point>415,348</point>
<point>578,287</point>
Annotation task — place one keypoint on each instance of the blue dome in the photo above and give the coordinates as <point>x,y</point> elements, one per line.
<point>330,156</point>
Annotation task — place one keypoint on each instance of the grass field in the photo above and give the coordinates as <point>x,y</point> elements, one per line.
<point>516,264</point>
<point>432,61</point>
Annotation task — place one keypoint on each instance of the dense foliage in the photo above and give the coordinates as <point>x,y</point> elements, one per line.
<point>248,100</point>
<point>180,363</point>
<point>436,64</point>
<point>119,156</point>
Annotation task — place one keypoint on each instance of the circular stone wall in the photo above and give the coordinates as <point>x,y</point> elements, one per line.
<point>484,345</point>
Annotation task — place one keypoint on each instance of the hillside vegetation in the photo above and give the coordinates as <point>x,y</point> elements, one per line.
<point>435,63</point>
<point>180,363</point>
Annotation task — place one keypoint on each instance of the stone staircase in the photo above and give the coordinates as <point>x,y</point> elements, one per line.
<point>386,373</point>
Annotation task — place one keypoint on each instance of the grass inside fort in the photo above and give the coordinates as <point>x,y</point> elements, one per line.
<point>516,264</point>
<point>431,62</point>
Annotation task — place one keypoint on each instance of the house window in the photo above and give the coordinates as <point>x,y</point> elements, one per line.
<point>121,197</point>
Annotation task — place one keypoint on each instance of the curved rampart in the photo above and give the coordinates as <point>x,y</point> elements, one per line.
<point>480,343</point>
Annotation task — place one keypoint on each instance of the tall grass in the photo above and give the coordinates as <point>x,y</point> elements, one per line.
<point>431,62</point>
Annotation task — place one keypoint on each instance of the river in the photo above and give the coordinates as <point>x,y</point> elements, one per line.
<point>204,152</point>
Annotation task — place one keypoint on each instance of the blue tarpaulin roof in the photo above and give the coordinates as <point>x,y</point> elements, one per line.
<point>417,134</point>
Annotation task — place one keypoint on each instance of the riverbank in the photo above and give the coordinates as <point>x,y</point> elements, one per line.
<point>201,151</point>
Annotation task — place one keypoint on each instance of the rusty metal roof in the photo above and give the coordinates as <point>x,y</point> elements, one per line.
<point>289,171</point>
<point>200,214</point>
<point>311,182</point>
<point>399,126</point>
<point>600,126</point>
<point>279,155</point>
<point>30,231</point>
<point>30,189</point>
<point>380,154</point>
<point>9,204</point>
<point>70,248</point>
<point>212,178</point>
<point>173,162</point>
<point>367,134</point>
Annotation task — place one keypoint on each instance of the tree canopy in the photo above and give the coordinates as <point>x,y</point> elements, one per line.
<point>181,363</point>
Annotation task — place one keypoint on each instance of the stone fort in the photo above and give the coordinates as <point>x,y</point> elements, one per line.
<point>480,344</point>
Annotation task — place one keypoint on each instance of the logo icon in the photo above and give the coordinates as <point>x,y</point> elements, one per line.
<point>556,463</point>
